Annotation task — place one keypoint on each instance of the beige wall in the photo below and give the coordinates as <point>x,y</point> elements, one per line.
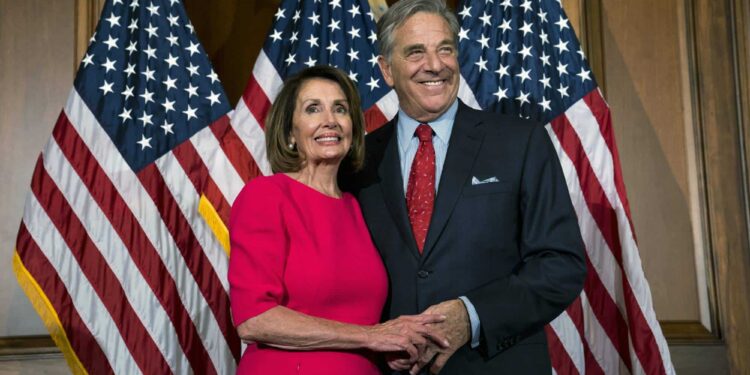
<point>36,73</point>
<point>643,65</point>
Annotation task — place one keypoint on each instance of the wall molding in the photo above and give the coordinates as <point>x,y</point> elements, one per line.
<point>688,333</point>
<point>26,346</point>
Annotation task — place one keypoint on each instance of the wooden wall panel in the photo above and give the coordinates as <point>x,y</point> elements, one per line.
<point>720,46</point>
<point>643,61</point>
<point>232,32</point>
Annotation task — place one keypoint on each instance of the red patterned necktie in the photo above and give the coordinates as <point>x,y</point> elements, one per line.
<point>420,192</point>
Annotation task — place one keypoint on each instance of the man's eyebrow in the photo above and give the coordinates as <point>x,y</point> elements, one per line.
<point>451,42</point>
<point>413,47</point>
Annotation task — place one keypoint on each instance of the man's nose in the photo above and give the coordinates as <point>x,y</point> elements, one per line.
<point>433,62</point>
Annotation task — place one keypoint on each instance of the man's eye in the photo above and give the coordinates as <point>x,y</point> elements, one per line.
<point>415,55</point>
<point>446,51</point>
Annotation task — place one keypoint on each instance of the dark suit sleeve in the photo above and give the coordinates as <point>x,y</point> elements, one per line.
<point>552,268</point>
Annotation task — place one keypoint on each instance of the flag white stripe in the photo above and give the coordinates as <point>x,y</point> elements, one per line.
<point>252,135</point>
<point>138,293</point>
<point>604,262</point>
<point>467,95</point>
<point>568,334</point>
<point>599,342</point>
<point>90,308</point>
<point>635,276</point>
<point>388,105</point>
<point>595,146</point>
<point>187,199</point>
<point>266,76</point>
<point>636,362</point>
<point>219,167</point>
<point>584,124</point>
<point>130,189</point>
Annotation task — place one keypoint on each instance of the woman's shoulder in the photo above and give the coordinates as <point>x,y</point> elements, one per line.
<point>262,188</point>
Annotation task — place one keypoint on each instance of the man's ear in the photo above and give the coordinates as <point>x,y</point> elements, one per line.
<point>385,68</point>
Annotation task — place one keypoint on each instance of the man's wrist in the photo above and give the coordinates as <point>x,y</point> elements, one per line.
<point>474,323</point>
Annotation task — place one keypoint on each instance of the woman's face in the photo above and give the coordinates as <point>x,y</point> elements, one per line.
<point>321,123</point>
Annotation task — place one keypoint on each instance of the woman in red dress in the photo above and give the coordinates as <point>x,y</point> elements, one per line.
<point>307,286</point>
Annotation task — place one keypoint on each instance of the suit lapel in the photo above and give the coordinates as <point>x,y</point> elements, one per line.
<point>463,146</point>
<point>392,185</point>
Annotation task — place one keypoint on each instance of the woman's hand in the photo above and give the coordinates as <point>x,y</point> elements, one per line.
<point>407,334</point>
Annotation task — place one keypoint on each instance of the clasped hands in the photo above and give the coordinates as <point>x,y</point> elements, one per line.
<point>411,342</point>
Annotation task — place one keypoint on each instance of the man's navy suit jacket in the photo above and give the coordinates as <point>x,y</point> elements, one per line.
<point>513,247</point>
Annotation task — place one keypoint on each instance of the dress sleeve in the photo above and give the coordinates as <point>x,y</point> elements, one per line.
<point>258,253</point>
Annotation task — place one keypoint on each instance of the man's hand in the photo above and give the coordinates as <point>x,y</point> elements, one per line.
<point>456,329</point>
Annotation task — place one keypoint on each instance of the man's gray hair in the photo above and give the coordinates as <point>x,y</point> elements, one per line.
<point>397,15</point>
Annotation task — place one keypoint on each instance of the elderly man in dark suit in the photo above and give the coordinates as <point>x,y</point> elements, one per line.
<point>468,209</point>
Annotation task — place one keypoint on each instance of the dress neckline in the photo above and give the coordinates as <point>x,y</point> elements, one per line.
<point>313,190</point>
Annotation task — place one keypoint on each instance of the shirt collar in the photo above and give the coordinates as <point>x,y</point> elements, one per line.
<point>442,126</point>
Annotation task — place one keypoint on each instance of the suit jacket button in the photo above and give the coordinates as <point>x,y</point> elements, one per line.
<point>422,274</point>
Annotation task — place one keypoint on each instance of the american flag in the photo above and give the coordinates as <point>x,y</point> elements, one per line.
<point>305,33</point>
<point>127,275</point>
<point>519,57</point>
<point>522,57</point>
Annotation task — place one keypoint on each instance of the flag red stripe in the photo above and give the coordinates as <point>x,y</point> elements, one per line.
<point>642,335</point>
<point>140,248</point>
<point>561,361</point>
<point>374,118</point>
<point>256,101</point>
<point>139,342</point>
<point>197,172</point>
<point>185,153</point>
<point>215,196</point>
<point>81,340</point>
<point>190,248</point>
<point>575,311</point>
<point>606,220</point>
<point>235,150</point>
<point>600,109</point>
<point>606,312</point>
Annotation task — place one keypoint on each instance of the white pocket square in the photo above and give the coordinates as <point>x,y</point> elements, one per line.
<point>476,181</point>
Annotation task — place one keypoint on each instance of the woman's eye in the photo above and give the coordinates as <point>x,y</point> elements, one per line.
<point>312,109</point>
<point>342,109</point>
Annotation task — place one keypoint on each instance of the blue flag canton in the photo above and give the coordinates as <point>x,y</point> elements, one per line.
<point>147,79</point>
<point>341,34</point>
<point>522,57</point>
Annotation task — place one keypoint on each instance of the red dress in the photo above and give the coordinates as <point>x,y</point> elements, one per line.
<point>296,247</point>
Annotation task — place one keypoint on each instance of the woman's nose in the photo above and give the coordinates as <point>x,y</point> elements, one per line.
<point>330,118</point>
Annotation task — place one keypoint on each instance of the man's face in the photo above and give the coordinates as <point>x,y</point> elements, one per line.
<point>424,66</point>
